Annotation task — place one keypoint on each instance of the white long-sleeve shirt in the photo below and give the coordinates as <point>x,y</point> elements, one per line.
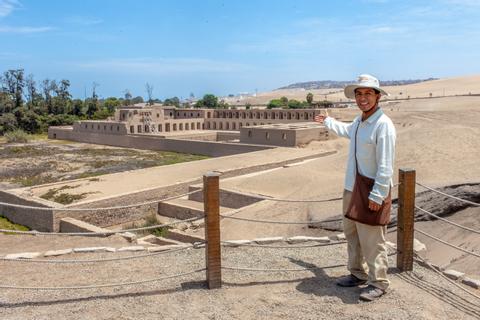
<point>375,151</point>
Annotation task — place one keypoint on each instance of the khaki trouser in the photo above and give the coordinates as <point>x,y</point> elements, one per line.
<point>367,251</point>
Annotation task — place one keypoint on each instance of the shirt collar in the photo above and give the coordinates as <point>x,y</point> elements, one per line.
<point>377,114</point>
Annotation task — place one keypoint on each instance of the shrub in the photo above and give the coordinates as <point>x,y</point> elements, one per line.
<point>275,103</point>
<point>18,135</point>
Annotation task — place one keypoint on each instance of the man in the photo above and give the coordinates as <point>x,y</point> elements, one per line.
<point>375,149</point>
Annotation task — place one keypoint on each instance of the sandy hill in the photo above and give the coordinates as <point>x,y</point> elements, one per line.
<point>464,85</point>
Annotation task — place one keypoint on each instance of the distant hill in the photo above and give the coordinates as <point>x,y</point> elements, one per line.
<point>327,84</point>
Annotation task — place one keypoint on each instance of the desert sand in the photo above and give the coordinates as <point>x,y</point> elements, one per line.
<point>438,137</point>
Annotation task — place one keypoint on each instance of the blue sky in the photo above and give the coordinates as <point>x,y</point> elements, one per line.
<point>222,47</point>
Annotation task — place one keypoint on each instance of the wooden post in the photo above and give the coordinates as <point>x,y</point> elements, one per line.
<point>405,219</point>
<point>211,201</point>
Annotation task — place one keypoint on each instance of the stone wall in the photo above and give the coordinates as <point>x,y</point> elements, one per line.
<point>208,148</point>
<point>286,135</point>
<point>227,198</point>
<point>111,217</point>
<point>35,219</point>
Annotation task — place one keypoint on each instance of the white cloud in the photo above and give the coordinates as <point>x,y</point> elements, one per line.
<point>84,21</point>
<point>24,30</point>
<point>164,66</point>
<point>467,3</point>
<point>376,1</point>
<point>7,7</point>
<point>383,29</point>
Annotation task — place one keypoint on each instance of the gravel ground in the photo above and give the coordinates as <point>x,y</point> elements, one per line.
<point>311,294</point>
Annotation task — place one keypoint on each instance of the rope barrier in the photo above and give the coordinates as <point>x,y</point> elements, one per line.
<point>282,270</point>
<point>294,200</point>
<point>99,233</point>
<point>277,222</point>
<point>447,221</point>
<point>226,243</point>
<point>97,209</point>
<point>449,195</point>
<point>107,285</point>
<point>95,260</point>
<point>448,244</point>
<point>446,278</point>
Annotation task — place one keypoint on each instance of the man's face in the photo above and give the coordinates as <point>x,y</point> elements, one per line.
<point>366,98</point>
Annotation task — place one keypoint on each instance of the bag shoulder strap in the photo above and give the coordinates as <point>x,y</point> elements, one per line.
<point>355,146</point>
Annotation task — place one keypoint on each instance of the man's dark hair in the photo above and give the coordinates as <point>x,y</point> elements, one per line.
<point>376,91</point>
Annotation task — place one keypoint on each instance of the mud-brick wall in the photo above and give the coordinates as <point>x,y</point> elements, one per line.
<point>35,219</point>
<point>106,218</point>
<point>208,148</point>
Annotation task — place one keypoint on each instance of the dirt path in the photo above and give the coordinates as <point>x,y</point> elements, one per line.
<point>308,294</point>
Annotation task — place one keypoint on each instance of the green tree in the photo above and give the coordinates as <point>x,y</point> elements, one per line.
<point>295,104</point>
<point>101,114</point>
<point>6,103</point>
<point>92,107</point>
<point>32,94</point>
<point>8,122</point>
<point>172,102</point>
<point>30,122</point>
<point>137,99</point>
<point>77,107</point>
<point>111,104</point>
<point>275,103</point>
<point>210,101</point>
<point>48,87</point>
<point>13,83</point>
<point>284,101</point>
<point>309,98</point>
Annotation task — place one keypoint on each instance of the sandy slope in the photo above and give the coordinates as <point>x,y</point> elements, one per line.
<point>464,85</point>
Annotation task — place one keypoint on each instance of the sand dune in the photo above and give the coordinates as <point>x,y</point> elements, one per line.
<point>464,85</point>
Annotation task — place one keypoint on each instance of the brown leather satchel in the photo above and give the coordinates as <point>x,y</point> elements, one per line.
<point>358,209</point>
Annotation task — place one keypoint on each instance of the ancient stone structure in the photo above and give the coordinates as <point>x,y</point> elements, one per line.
<point>284,134</point>
<point>168,122</point>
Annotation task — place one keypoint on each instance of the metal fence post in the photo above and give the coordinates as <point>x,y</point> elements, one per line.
<point>405,219</point>
<point>211,201</point>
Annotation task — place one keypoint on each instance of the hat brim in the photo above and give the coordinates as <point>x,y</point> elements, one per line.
<point>350,90</point>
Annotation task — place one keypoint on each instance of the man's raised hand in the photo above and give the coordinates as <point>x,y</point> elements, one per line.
<point>321,117</point>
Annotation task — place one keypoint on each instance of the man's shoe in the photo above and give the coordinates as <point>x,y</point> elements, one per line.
<point>350,281</point>
<point>371,293</point>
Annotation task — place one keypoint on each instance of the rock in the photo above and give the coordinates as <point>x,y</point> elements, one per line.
<point>168,247</point>
<point>132,248</point>
<point>54,253</point>
<point>300,239</point>
<point>129,236</point>
<point>268,240</point>
<point>23,255</point>
<point>198,245</point>
<point>236,243</point>
<point>453,274</point>
<point>109,249</point>
<point>474,283</point>
<point>339,237</point>
<point>89,249</point>
<point>419,248</point>
<point>182,226</point>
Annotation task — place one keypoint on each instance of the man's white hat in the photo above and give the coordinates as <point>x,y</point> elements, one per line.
<point>364,81</point>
